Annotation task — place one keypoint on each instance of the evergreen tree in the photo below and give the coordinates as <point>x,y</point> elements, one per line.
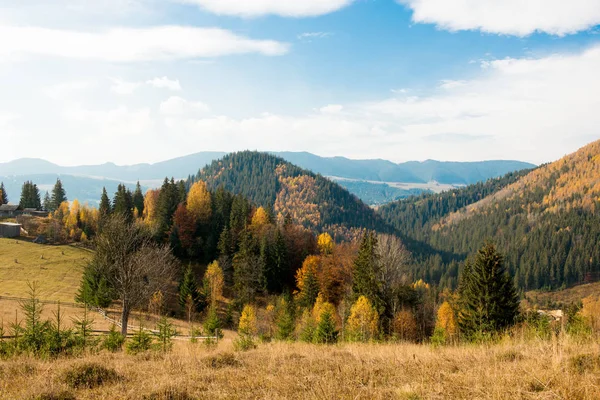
<point>47,202</point>
<point>123,203</point>
<point>30,196</point>
<point>325,331</point>
<point>488,298</point>
<point>168,200</point>
<point>3,194</point>
<point>188,291</point>
<point>138,200</point>
<point>105,207</point>
<point>366,272</point>
<point>58,195</point>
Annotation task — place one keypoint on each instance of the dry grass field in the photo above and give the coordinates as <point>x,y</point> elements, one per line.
<point>56,269</point>
<point>533,370</point>
<point>563,297</point>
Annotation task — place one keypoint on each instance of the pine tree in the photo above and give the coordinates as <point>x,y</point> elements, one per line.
<point>123,203</point>
<point>326,332</point>
<point>488,298</point>
<point>188,291</point>
<point>3,194</point>
<point>105,207</point>
<point>30,196</point>
<point>168,200</point>
<point>138,200</point>
<point>47,202</point>
<point>58,195</point>
<point>366,270</point>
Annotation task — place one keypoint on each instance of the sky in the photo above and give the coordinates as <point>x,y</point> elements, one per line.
<point>130,81</point>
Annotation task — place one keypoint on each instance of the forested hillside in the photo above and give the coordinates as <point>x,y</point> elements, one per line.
<point>307,198</point>
<point>545,222</point>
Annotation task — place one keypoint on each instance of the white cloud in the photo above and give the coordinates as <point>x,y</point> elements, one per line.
<point>62,91</point>
<point>177,106</point>
<point>6,119</point>
<point>165,83</point>
<point>449,84</point>
<point>510,17</point>
<point>122,87</point>
<point>530,109</point>
<point>313,35</point>
<point>332,109</point>
<point>132,45</point>
<point>257,8</point>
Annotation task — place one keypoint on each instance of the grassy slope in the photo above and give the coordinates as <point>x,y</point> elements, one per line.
<point>565,297</point>
<point>56,269</point>
<point>511,370</point>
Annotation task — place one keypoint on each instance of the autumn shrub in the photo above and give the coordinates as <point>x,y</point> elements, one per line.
<point>169,393</point>
<point>405,326</point>
<point>244,343</point>
<point>62,395</point>
<point>583,363</point>
<point>90,375</point>
<point>222,360</point>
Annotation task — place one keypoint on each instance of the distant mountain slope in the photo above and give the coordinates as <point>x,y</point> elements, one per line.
<point>310,199</point>
<point>179,168</point>
<point>81,188</point>
<point>456,173</point>
<point>546,223</point>
<point>361,171</point>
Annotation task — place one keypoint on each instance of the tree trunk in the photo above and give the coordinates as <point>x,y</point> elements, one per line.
<point>125,317</point>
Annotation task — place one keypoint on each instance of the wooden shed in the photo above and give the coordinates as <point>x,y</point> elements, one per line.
<point>10,230</point>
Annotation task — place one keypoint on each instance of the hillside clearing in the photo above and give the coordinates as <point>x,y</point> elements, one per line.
<point>56,269</point>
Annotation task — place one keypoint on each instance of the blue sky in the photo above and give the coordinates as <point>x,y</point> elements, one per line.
<point>134,81</point>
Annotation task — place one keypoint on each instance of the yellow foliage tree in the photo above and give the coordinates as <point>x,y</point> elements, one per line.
<point>151,207</point>
<point>446,320</point>
<point>247,325</point>
<point>405,326</point>
<point>199,202</point>
<point>321,306</point>
<point>260,218</point>
<point>325,244</point>
<point>363,322</point>
<point>309,266</point>
<point>214,281</point>
<point>591,312</point>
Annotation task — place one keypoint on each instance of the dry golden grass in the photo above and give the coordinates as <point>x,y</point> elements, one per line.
<point>563,297</point>
<point>534,370</point>
<point>56,269</point>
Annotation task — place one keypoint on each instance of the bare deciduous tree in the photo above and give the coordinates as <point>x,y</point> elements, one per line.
<point>133,265</point>
<point>394,259</point>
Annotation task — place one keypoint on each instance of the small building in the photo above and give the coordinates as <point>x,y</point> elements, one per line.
<point>9,230</point>
<point>8,210</point>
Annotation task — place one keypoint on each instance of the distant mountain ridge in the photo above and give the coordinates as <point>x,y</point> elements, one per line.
<point>369,175</point>
<point>544,221</point>
<point>309,199</point>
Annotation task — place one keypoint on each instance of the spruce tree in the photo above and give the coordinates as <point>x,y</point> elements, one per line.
<point>366,272</point>
<point>3,194</point>
<point>188,291</point>
<point>105,207</point>
<point>138,200</point>
<point>325,332</point>
<point>123,203</point>
<point>30,196</point>
<point>488,298</point>
<point>47,202</point>
<point>58,195</point>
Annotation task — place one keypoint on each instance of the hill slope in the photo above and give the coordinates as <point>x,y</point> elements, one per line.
<point>310,199</point>
<point>546,223</point>
<point>361,171</point>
